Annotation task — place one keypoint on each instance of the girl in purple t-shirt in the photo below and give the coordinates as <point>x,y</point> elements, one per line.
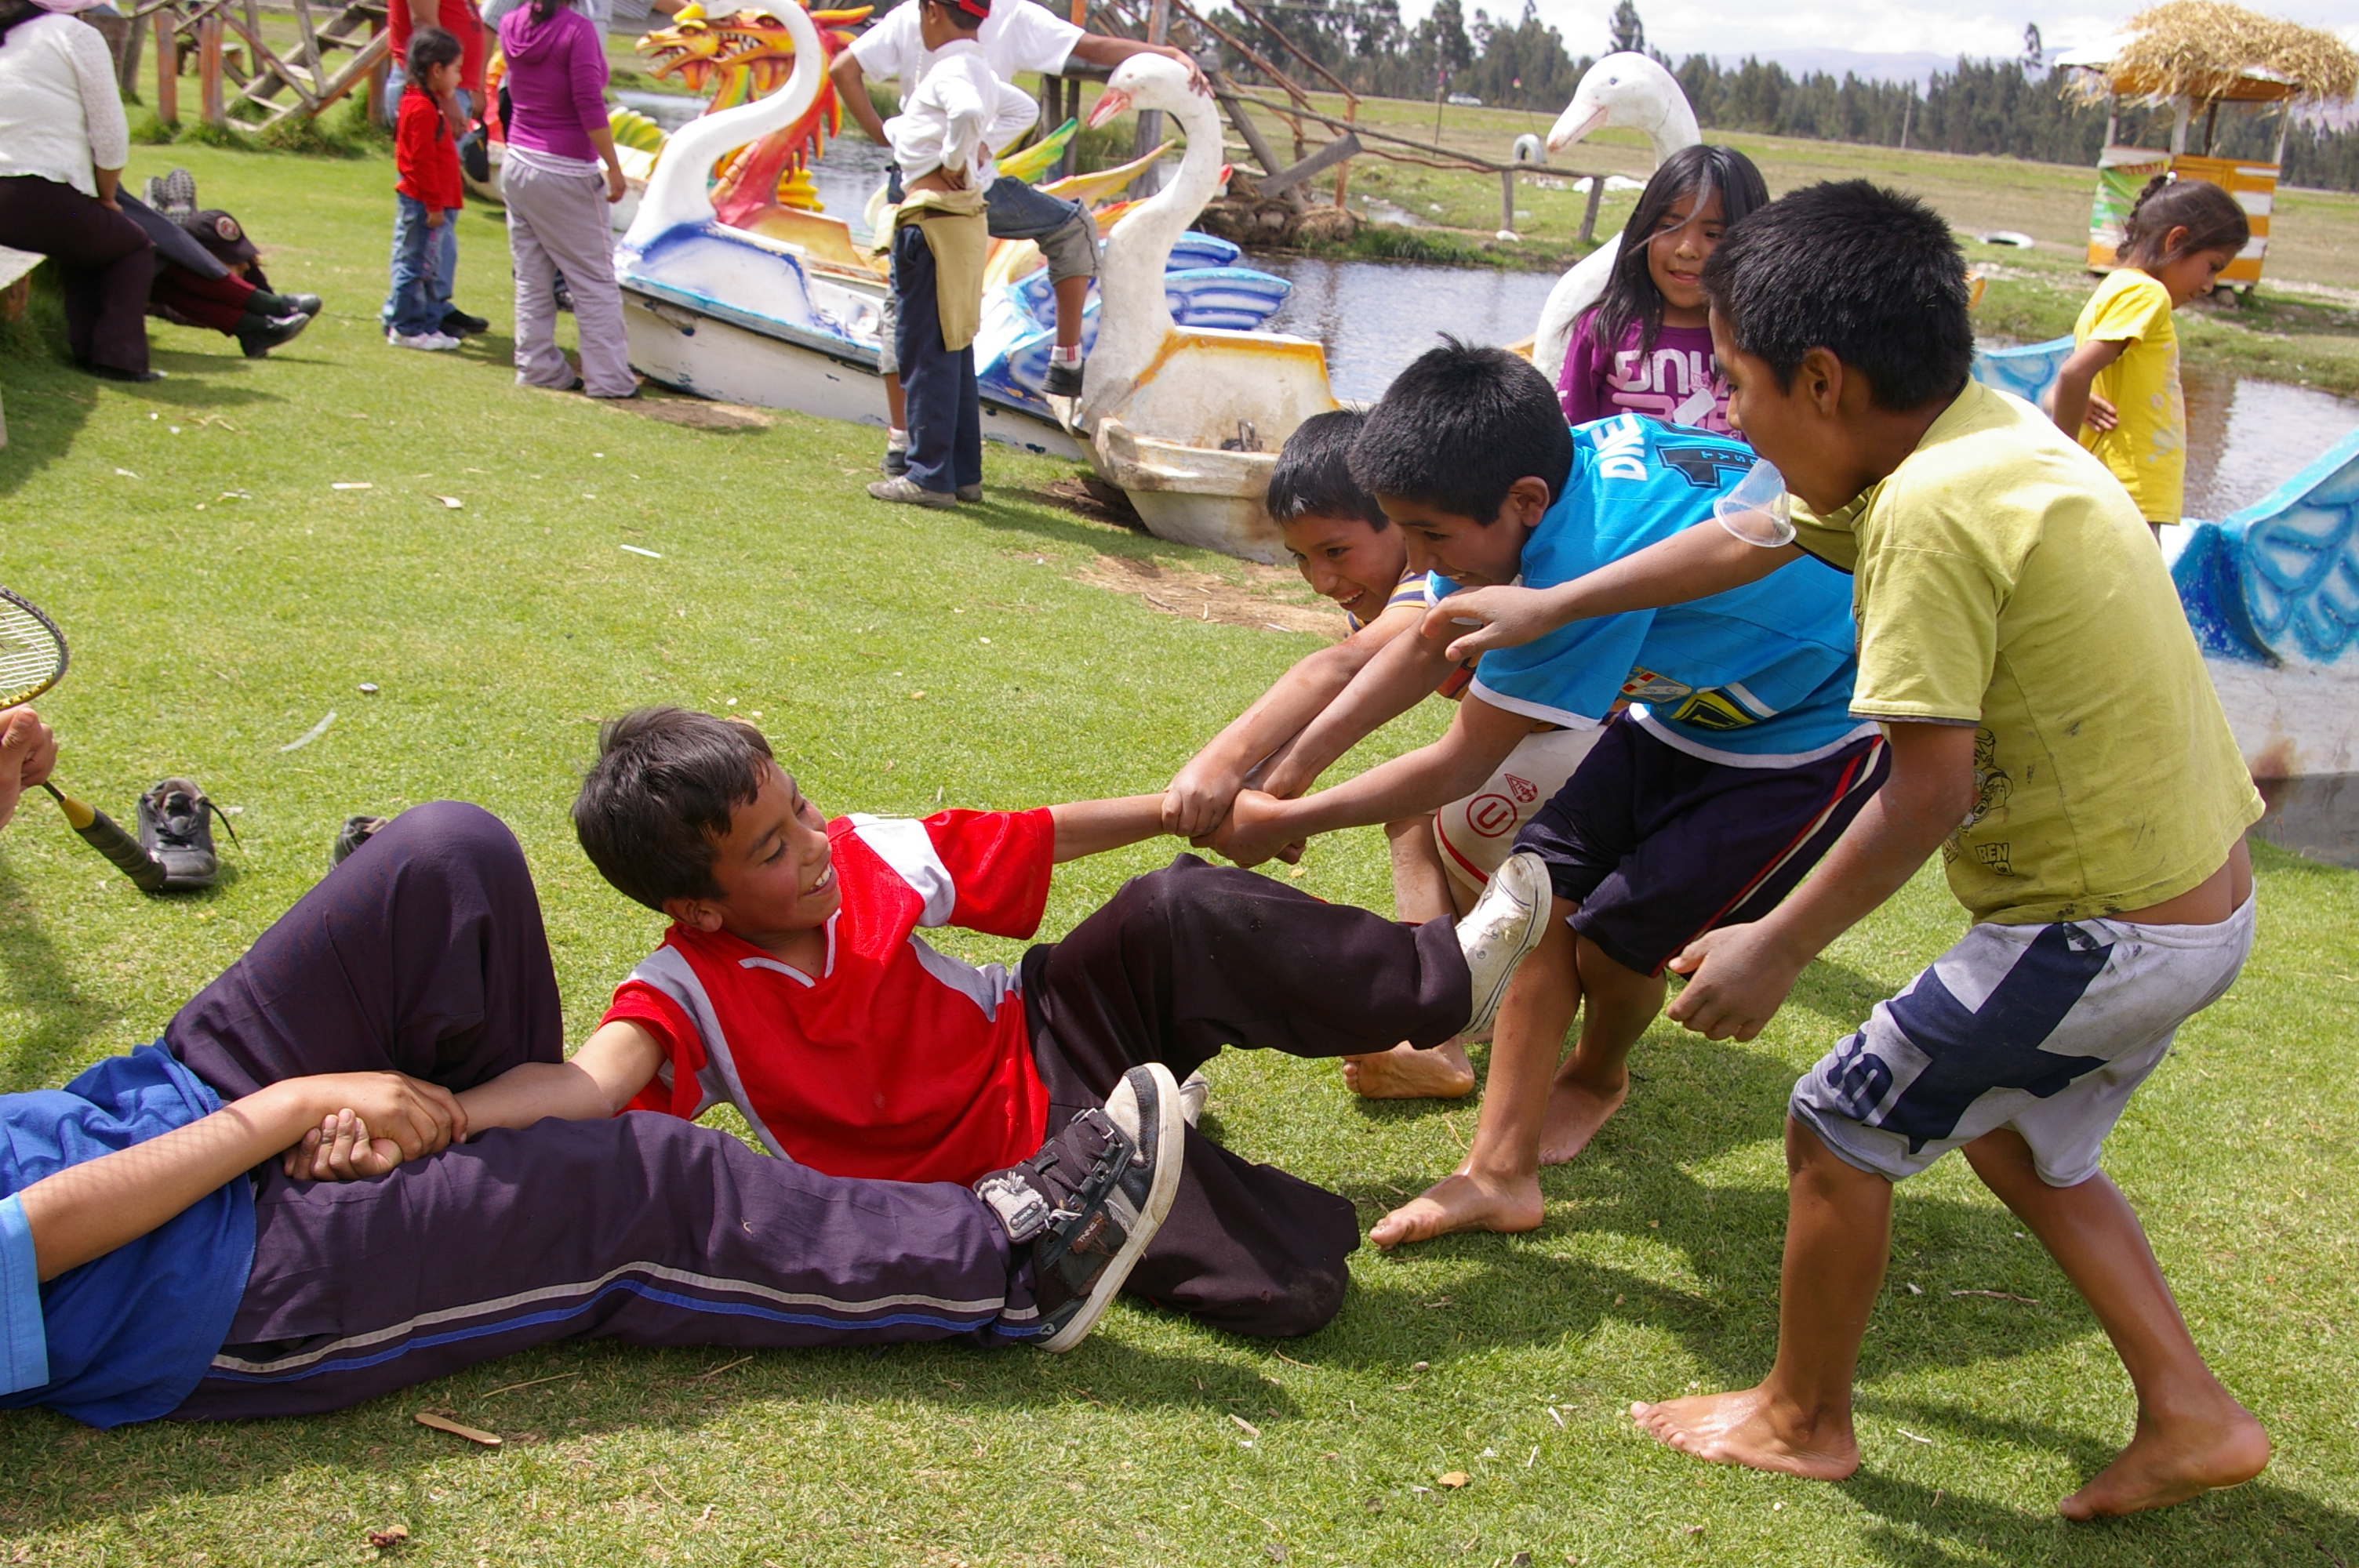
<point>1644,347</point>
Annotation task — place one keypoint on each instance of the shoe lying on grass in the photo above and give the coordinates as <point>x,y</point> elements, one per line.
<point>911,493</point>
<point>176,829</point>
<point>1500,932</point>
<point>457,323</point>
<point>433,341</point>
<point>1090,1201</point>
<point>259,335</point>
<point>357,830</point>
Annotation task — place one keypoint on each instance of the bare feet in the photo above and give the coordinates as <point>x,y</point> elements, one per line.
<point>1462,1202</point>
<point>1749,1428</point>
<point>1575,1112</point>
<point>1407,1072</point>
<point>2172,1460</point>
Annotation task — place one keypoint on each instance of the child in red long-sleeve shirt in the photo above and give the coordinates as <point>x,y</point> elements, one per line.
<point>429,193</point>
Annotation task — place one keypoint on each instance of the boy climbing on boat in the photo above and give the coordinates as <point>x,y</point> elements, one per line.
<point>2054,735</point>
<point>1018,35</point>
<point>794,983</point>
<point>1736,764</point>
<point>943,140</point>
<point>1349,551</point>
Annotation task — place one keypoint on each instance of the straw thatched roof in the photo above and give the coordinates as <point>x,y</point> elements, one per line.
<point>2207,50</point>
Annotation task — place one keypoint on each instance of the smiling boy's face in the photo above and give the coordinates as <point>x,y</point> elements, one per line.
<point>775,868</point>
<point>1468,551</point>
<point>1345,560</point>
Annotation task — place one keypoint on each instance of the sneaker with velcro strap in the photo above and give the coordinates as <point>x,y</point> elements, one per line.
<point>1091,1199</point>
<point>176,829</point>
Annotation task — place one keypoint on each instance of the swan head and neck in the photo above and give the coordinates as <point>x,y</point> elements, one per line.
<point>1134,317</point>
<point>1633,92</point>
<point>678,190</point>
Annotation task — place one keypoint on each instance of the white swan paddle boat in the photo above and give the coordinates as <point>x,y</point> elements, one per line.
<point>747,317</point>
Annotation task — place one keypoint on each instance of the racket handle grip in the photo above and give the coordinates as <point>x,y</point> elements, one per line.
<point>98,830</point>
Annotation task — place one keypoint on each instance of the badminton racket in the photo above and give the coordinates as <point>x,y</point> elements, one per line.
<point>33,658</point>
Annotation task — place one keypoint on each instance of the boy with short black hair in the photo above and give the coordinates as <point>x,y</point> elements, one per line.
<point>428,194</point>
<point>794,983</point>
<point>2054,734</point>
<point>1734,767</point>
<point>171,1243</point>
<point>1349,551</point>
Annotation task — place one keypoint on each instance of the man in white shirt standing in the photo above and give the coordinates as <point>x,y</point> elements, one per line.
<point>943,141</point>
<point>1016,36</point>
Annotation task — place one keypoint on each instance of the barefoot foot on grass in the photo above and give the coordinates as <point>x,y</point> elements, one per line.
<point>1462,1202</point>
<point>1407,1072</point>
<point>1745,1428</point>
<point>2170,1461</point>
<point>1575,1112</point>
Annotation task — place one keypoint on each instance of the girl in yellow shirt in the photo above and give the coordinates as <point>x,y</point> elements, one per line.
<point>2119,394</point>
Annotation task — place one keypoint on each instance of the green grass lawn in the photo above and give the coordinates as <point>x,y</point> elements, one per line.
<point>223,598</point>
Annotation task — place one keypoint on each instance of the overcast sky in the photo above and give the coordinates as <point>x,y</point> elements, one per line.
<point>1731,30</point>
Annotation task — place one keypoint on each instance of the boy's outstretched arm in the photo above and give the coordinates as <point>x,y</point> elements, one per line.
<point>1694,563</point>
<point>88,1210</point>
<point>614,1064</point>
<point>1402,675</point>
<point>1738,975</point>
<point>1094,827</point>
<point>1478,739</point>
<point>1199,793</point>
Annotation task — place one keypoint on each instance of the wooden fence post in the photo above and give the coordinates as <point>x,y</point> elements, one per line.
<point>1589,214</point>
<point>209,70</point>
<point>1507,201</point>
<point>167,68</point>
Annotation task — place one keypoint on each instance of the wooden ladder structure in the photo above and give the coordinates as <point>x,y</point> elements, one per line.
<point>338,48</point>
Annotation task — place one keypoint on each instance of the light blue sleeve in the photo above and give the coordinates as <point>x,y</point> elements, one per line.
<point>24,1338</point>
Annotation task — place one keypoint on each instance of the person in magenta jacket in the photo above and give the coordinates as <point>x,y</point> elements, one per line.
<point>557,138</point>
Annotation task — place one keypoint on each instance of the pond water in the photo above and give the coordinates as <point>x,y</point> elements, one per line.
<point>1376,316</point>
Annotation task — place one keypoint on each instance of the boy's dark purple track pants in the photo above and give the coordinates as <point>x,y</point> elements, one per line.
<point>424,954</point>
<point>1192,957</point>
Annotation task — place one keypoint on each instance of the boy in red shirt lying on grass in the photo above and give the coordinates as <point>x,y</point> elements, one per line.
<point>794,984</point>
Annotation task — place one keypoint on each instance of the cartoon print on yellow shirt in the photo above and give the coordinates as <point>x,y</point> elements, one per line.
<point>1992,786</point>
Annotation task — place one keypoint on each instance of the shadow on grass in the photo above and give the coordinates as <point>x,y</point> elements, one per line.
<point>64,1475</point>
<point>36,978</point>
<point>1920,1527</point>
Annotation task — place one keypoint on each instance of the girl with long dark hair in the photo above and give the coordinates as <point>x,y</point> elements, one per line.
<point>1644,347</point>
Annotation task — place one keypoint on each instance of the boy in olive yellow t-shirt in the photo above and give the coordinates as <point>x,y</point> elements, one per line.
<point>2053,732</point>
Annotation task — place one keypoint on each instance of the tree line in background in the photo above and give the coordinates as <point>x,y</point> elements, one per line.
<point>2012,107</point>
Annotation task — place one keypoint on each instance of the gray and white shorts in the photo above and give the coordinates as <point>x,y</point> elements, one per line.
<point>2046,1029</point>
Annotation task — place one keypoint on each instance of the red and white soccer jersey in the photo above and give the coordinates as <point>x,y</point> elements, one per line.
<point>895,1061</point>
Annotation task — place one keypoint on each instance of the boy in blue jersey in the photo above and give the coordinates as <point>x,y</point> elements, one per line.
<point>1349,552</point>
<point>1735,767</point>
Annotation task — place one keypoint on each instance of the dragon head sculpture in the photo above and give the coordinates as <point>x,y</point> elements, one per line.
<point>738,58</point>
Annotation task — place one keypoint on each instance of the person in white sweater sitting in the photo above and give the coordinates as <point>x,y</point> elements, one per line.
<point>943,139</point>
<point>63,142</point>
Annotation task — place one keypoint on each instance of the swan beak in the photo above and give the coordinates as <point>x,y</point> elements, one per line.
<point>1112,101</point>
<point>1561,136</point>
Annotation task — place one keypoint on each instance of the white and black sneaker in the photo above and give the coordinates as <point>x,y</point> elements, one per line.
<point>176,829</point>
<point>1195,1089</point>
<point>1090,1201</point>
<point>1501,930</point>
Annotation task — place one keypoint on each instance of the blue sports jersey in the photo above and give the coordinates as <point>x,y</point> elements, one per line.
<point>126,1336</point>
<point>1759,676</point>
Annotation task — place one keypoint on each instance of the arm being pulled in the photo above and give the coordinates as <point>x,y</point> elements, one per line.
<point>1695,562</point>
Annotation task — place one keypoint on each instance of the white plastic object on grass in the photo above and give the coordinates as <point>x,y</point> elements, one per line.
<point>1758,510</point>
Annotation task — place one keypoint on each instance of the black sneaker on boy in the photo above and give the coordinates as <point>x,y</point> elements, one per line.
<point>457,323</point>
<point>258,335</point>
<point>176,827</point>
<point>1090,1201</point>
<point>1063,380</point>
